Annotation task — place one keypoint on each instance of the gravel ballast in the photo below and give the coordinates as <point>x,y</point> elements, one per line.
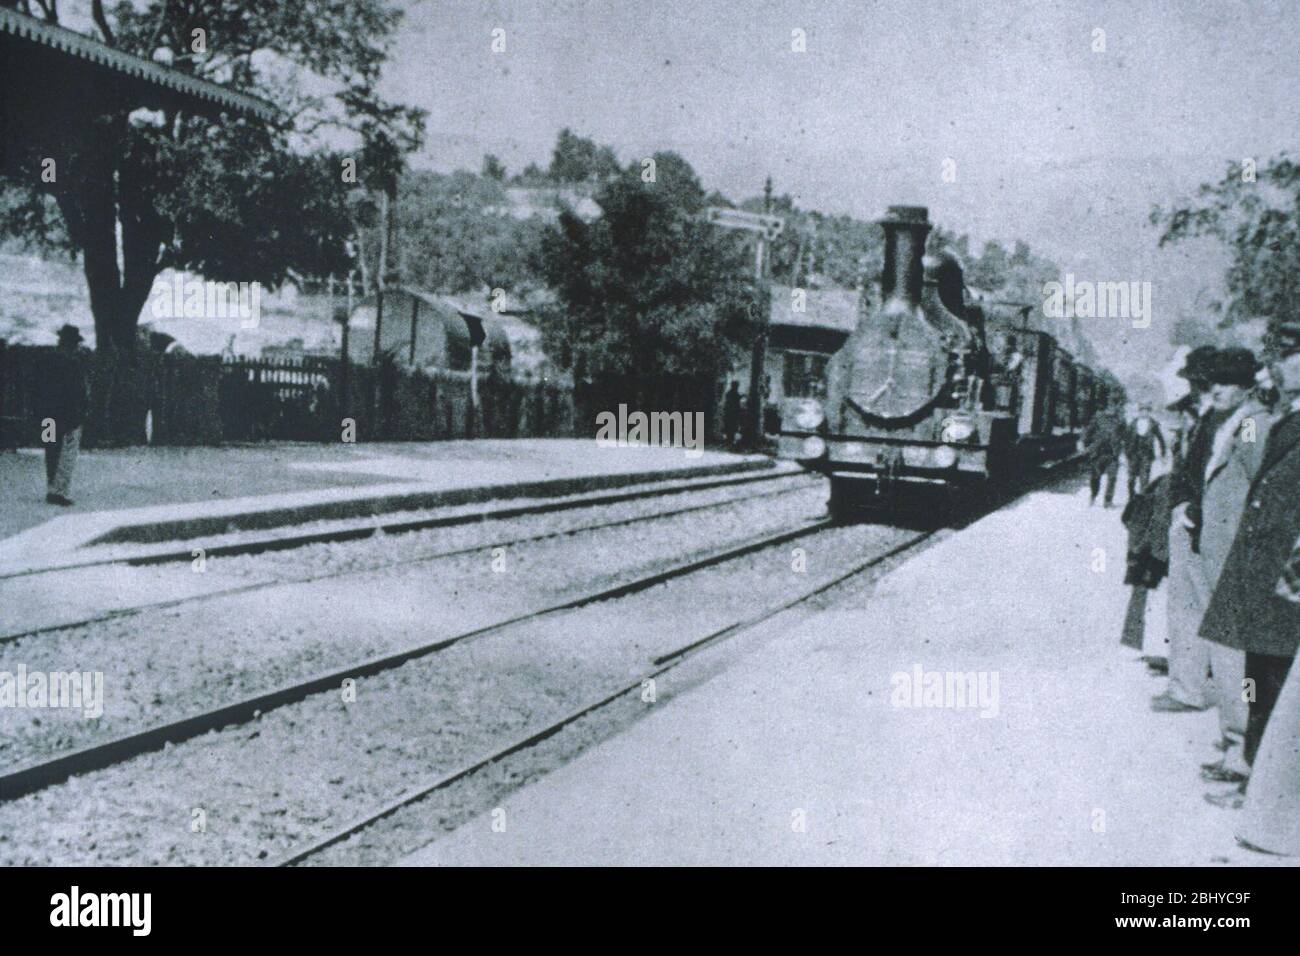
<point>300,771</point>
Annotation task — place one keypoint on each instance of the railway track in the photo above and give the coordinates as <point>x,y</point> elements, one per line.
<point>39,775</point>
<point>170,603</point>
<point>393,526</point>
<point>659,666</point>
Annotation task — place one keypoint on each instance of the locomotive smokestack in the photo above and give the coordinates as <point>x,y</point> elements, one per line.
<point>905,230</point>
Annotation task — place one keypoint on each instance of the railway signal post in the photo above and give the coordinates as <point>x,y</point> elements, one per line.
<point>767,228</point>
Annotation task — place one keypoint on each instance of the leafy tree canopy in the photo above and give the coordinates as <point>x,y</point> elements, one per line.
<point>577,159</point>
<point>457,236</point>
<point>236,200</point>
<point>649,287</point>
<point>1256,215</point>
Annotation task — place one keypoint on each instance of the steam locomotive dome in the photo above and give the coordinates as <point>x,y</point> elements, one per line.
<point>897,363</point>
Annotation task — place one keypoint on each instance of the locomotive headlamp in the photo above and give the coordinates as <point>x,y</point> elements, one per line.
<point>813,447</point>
<point>809,415</point>
<point>956,429</point>
<point>945,456</point>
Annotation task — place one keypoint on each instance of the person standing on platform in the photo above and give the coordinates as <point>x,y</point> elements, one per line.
<point>1103,442</point>
<point>1189,686</point>
<point>1142,438</point>
<point>62,411</point>
<point>1270,820</point>
<point>731,414</point>
<point>1235,453</point>
<point>1245,612</point>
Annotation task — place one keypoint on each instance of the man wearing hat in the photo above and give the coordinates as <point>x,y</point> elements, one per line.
<point>1143,440</point>
<point>1245,611</point>
<point>63,410</point>
<point>1189,686</point>
<point>1234,457</point>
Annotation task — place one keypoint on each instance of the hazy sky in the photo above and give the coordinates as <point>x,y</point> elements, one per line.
<point>884,86</point>
<point>1053,142</point>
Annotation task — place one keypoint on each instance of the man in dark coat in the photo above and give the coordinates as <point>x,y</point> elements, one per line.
<point>1245,612</point>
<point>731,413</point>
<point>1235,452</point>
<point>1188,475</point>
<point>1143,440</point>
<point>62,411</point>
<point>1103,440</point>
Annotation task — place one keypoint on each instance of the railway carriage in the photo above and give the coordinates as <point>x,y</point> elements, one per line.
<point>931,393</point>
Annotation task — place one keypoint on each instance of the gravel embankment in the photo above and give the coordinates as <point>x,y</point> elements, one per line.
<point>311,767</point>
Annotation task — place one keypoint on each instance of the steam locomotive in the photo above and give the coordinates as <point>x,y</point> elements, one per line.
<point>931,392</point>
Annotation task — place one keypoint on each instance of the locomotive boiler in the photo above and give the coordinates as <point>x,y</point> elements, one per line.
<point>931,392</point>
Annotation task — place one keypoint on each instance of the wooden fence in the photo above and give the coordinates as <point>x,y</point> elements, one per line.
<point>173,399</point>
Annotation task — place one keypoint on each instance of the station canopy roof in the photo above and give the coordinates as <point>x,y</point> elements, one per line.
<point>833,308</point>
<point>51,77</point>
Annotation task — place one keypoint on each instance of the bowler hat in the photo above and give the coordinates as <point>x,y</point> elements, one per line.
<point>1196,365</point>
<point>1235,366</point>
<point>69,333</point>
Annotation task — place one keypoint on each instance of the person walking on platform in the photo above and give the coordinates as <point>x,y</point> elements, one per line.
<point>1245,611</point>
<point>1142,438</point>
<point>1235,453</point>
<point>1188,687</point>
<point>62,409</point>
<point>1103,442</point>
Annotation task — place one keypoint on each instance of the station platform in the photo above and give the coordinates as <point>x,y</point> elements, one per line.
<point>152,494</point>
<point>813,750</point>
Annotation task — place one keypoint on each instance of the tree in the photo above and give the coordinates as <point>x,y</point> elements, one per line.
<point>649,291</point>
<point>143,192</point>
<point>990,270</point>
<point>577,159</point>
<point>493,169</point>
<point>1256,215</point>
<point>455,237</point>
<point>572,158</point>
<point>840,249</point>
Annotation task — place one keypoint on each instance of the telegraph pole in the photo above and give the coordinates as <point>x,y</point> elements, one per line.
<point>758,360</point>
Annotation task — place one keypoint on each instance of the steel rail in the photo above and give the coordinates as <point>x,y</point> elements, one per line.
<point>659,666</point>
<point>170,603</point>
<point>41,774</point>
<point>354,532</point>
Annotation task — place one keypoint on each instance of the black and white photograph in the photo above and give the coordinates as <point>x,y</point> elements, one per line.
<point>673,434</point>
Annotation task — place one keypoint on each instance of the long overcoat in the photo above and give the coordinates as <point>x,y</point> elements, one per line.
<point>1228,478</point>
<point>1244,611</point>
